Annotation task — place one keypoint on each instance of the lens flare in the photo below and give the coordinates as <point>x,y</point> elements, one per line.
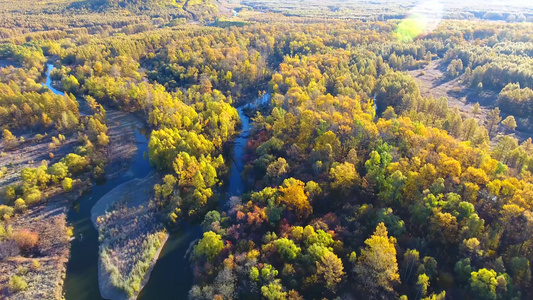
<point>422,19</point>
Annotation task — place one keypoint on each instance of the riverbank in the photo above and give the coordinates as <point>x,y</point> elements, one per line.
<point>131,238</point>
<point>126,162</point>
<point>44,269</point>
<point>109,291</point>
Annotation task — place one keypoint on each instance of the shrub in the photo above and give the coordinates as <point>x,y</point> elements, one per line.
<point>3,172</point>
<point>67,184</point>
<point>20,205</point>
<point>69,232</point>
<point>25,239</point>
<point>3,233</point>
<point>35,264</point>
<point>33,196</point>
<point>6,212</point>
<point>17,284</point>
<point>9,194</point>
<point>38,137</point>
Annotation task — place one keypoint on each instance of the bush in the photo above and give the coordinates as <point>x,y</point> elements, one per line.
<point>17,284</point>
<point>9,140</point>
<point>75,163</point>
<point>3,172</point>
<point>20,205</point>
<point>35,264</point>
<point>67,184</point>
<point>38,137</point>
<point>25,239</point>
<point>33,196</point>
<point>6,212</point>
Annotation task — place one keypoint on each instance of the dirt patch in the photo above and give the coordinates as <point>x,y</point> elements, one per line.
<point>133,193</point>
<point>433,82</point>
<point>122,146</point>
<point>30,154</point>
<point>43,269</point>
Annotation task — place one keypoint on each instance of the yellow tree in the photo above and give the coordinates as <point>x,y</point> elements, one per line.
<point>377,267</point>
<point>10,141</point>
<point>344,176</point>
<point>330,269</point>
<point>295,197</point>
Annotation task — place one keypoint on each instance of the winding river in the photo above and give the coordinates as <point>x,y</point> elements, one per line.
<point>171,277</point>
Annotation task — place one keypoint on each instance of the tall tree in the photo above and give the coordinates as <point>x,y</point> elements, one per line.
<point>493,119</point>
<point>330,269</point>
<point>377,267</point>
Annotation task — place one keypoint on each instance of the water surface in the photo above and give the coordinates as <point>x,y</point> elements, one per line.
<point>171,277</point>
<point>81,280</point>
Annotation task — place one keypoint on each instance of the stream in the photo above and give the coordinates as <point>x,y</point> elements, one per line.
<point>172,275</point>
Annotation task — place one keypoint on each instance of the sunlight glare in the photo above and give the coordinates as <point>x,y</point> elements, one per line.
<point>422,19</point>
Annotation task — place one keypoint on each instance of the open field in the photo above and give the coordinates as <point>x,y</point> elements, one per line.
<point>433,82</point>
<point>31,153</point>
<point>387,9</point>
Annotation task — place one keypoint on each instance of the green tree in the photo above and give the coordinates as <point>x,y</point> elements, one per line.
<point>287,249</point>
<point>493,119</point>
<point>520,271</point>
<point>483,284</point>
<point>209,246</point>
<point>509,123</point>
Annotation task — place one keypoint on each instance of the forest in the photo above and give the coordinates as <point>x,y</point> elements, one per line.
<point>355,181</point>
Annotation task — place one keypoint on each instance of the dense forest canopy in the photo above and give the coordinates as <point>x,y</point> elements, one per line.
<point>358,181</point>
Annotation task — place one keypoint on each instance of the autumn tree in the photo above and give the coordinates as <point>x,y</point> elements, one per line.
<point>209,246</point>
<point>344,177</point>
<point>330,269</point>
<point>295,197</point>
<point>509,123</point>
<point>10,141</point>
<point>377,268</point>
